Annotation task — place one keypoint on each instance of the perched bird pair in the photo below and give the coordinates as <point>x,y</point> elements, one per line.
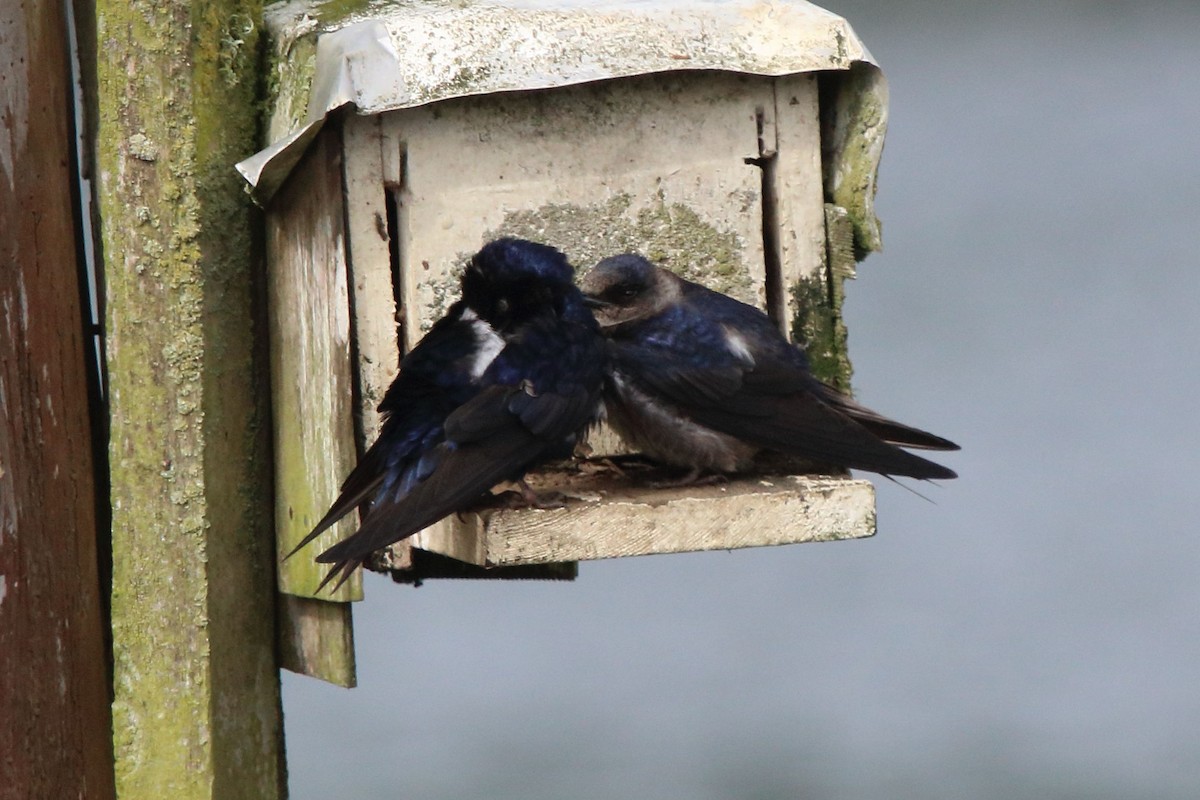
<point>513,375</point>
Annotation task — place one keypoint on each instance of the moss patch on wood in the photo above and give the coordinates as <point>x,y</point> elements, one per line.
<point>853,126</point>
<point>196,712</point>
<point>291,67</point>
<point>819,328</point>
<point>670,234</point>
<point>818,324</point>
<point>330,12</point>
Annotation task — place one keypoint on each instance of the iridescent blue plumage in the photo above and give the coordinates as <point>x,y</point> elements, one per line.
<point>703,381</point>
<point>509,378</point>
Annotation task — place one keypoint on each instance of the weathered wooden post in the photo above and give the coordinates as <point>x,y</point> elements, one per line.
<point>55,739</point>
<point>733,142</point>
<point>196,711</point>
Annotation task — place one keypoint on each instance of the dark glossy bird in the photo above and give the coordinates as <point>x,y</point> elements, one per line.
<point>509,378</point>
<point>702,381</point>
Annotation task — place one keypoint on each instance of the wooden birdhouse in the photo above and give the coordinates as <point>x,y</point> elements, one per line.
<point>735,143</point>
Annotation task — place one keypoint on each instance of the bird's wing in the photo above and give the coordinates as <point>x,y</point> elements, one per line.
<point>887,429</point>
<point>434,378</point>
<point>762,395</point>
<point>494,437</point>
<point>803,425</point>
<point>360,485</point>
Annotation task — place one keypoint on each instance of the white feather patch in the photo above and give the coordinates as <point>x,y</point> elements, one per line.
<point>489,344</point>
<point>737,345</point>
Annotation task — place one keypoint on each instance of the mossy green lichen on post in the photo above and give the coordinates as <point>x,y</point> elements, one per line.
<point>819,328</point>
<point>819,324</point>
<point>328,11</point>
<point>196,709</point>
<point>677,237</point>
<point>853,126</point>
<point>291,65</point>
<point>670,234</point>
<point>853,111</point>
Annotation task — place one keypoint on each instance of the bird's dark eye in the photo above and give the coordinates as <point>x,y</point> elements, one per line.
<point>623,291</point>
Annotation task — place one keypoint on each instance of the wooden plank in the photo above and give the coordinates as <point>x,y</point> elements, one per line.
<point>810,307</point>
<point>655,164</point>
<point>795,189</point>
<point>55,738</point>
<point>854,123</point>
<point>370,267</point>
<point>607,517</point>
<point>316,638</point>
<point>311,384</point>
<point>196,712</point>
<point>313,402</point>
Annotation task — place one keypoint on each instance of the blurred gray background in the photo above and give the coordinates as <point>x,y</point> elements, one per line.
<point>1033,633</point>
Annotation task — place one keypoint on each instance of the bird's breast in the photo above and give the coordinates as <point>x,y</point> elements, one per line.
<point>664,432</point>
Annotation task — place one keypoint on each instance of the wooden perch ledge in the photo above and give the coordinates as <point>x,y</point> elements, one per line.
<point>609,516</point>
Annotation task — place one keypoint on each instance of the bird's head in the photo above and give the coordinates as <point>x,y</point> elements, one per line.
<point>627,288</point>
<point>510,280</point>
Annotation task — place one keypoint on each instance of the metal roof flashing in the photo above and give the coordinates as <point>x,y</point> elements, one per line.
<point>381,55</point>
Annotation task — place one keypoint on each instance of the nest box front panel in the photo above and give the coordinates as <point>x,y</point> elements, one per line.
<point>656,164</point>
<point>683,167</point>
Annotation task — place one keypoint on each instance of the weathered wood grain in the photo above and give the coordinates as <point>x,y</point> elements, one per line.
<point>655,164</point>
<point>55,739</point>
<point>197,708</point>
<point>607,518</point>
<point>370,266</point>
<point>810,292</point>
<point>312,387</point>
<point>316,638</point>
<point>313,405</point>
<point>794,184</point>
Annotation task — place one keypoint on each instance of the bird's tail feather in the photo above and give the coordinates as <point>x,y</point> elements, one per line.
<point>460,478</point>
<point>887,429</point>
<point>810,428</point>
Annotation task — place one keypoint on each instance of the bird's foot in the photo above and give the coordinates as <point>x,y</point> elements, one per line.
<point>525,497</point>
<point>545,500</point>
<point>596,466</point>
<point>693,478</point>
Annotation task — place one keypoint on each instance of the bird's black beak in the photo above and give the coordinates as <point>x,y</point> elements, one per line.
<point>595,302</point>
